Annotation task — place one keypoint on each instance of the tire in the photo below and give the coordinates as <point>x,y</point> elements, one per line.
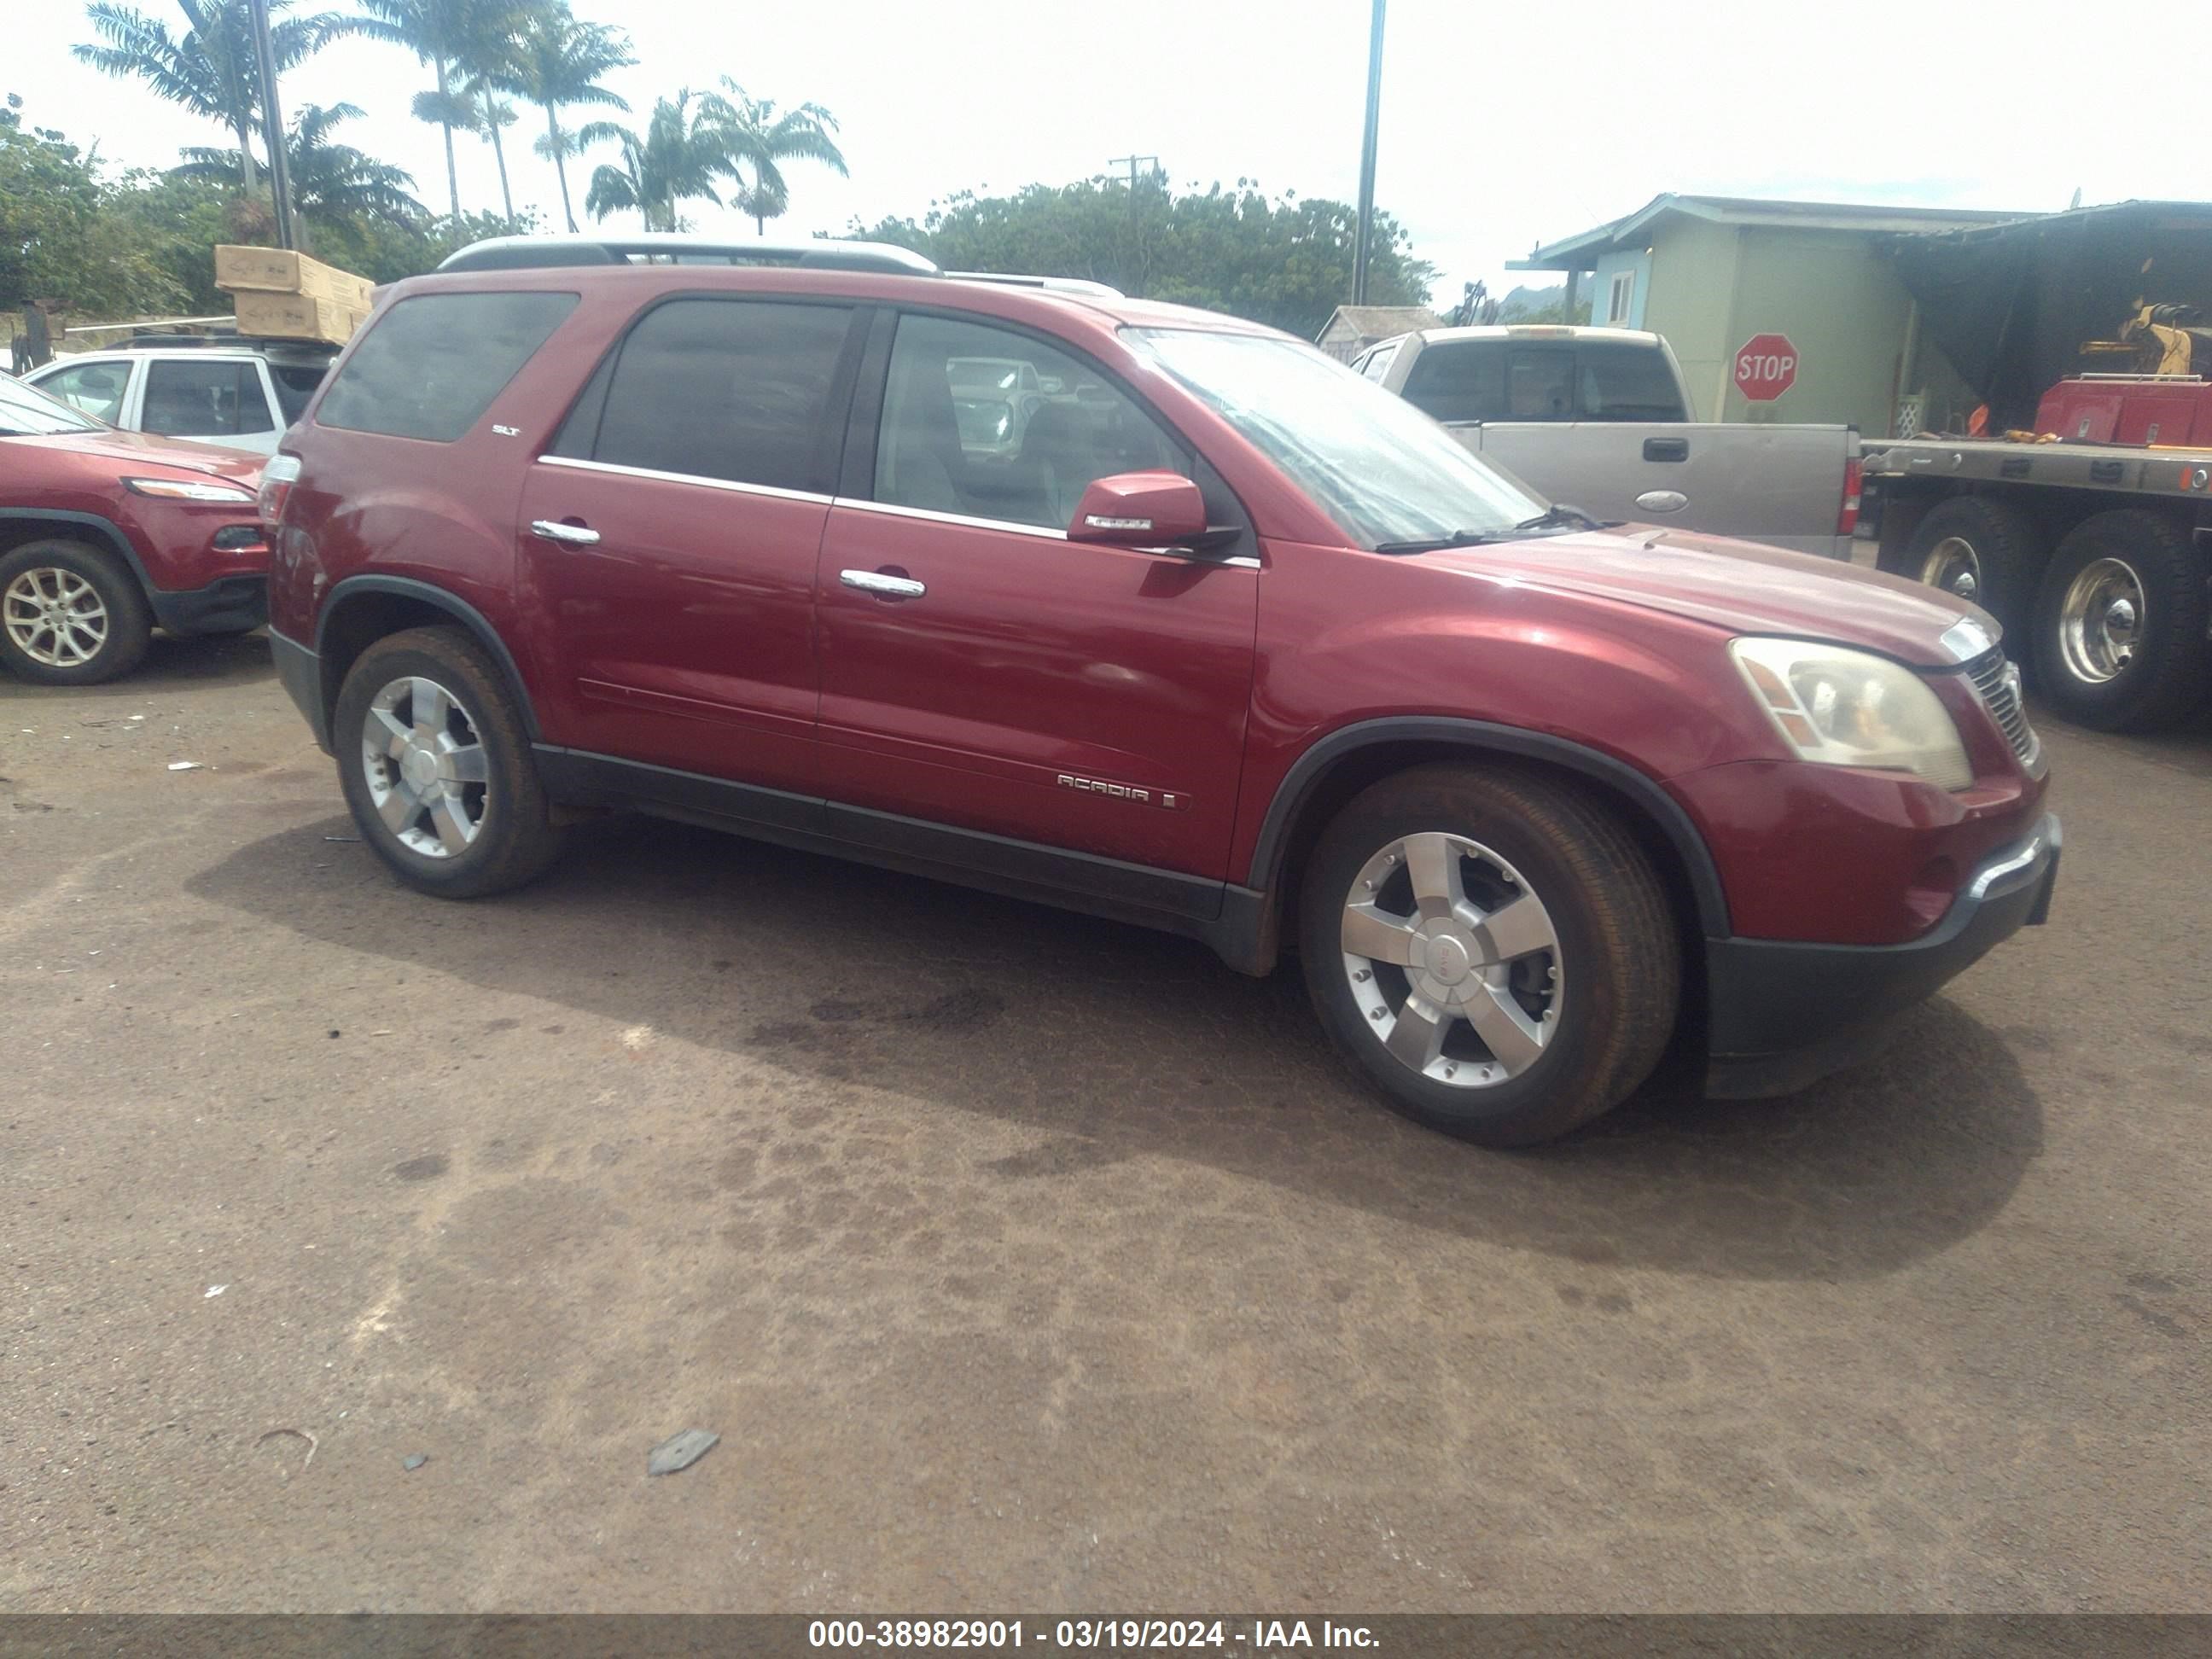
<point>1994,543</point>
<point>491,831</point>
<point>1578,1039</point>
<point>2110,677</point>
<point>96,588</point>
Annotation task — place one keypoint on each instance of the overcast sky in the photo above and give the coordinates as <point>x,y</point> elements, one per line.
<point>1503,124</point>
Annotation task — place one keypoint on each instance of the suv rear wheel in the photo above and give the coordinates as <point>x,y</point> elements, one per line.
<point>1492,949</point>
<point>436,763</point>
<point>70,614</point>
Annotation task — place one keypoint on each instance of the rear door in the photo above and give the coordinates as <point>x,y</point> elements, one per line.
<point>982,671</point>
<point>668,538</point>
<point>217,400</point>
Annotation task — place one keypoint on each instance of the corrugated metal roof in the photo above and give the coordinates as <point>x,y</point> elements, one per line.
<point>1580,252</point>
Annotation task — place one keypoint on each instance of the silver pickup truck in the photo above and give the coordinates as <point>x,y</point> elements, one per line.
<point>1600,418</point>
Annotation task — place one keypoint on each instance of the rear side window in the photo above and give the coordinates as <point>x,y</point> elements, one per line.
<point>432,365</point>
<point>216,398</point>
<point>295,386</point>
<point>1464,381</point>
<point>735,389</point>
<point>1625,382</point>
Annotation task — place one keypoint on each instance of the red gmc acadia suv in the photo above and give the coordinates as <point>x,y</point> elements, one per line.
<point>104,534</point>
<point>1148,612</point>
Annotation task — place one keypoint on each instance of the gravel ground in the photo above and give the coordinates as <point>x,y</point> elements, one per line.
<point>1022,1261</point>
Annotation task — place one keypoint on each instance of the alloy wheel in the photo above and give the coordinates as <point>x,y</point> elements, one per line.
<point>423,756</point>
<point>55,616</point>
<point>1453,960</point>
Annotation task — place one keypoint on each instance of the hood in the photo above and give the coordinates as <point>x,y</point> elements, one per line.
<point>148,449</point>
<point>1742,587</point>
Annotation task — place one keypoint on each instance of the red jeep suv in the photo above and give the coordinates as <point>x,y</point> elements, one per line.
<point>105,533</point>
<point>1148,612</point>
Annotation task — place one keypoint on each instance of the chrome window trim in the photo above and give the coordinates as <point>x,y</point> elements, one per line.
<point>930,515</point>
<point>733,485</point>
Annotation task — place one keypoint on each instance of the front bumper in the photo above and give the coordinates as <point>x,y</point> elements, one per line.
<point>1783,1015</point>
<point>300,672</point>
<point>229,604</point>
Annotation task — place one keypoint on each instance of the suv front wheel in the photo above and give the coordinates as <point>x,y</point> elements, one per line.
<point>436,763</point>
<point>1492,949</point>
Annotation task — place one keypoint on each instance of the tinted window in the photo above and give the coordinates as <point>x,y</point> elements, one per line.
<point>295,386</point>
<point>1460,380</point>
<point>736,389</point>
<point>218,398</point>
<point>1622,381</point>
<point>1539,383</point>
<point>26,411</point>
<point>432,365</point>
<point>95,388</point>
<point>1020,447</point>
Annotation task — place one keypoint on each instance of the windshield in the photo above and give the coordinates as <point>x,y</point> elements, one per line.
<point>27,412</point>
<point>1383,471</point>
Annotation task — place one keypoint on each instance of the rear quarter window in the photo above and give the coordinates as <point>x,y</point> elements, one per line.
<point>432,364</point>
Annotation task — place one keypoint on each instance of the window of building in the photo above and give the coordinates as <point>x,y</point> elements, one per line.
<point>1620,299</point>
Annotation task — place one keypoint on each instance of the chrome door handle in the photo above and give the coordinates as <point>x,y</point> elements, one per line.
<point>575,534</point>
<point>889,587</point>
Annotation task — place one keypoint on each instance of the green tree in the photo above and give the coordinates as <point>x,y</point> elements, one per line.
<point>464,44</point>
<point>558,61</point>
<point>681,153</point>
<point>1283,260</point>
<point>59,239</point>
<point>757,135</point>
<point>331,183</point>
<point>211,70</point>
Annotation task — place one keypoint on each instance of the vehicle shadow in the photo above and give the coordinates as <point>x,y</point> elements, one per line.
<point>228,659</point>
<point>1112,1042</point>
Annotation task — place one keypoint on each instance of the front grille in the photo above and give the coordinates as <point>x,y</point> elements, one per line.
<point>1997,683</point>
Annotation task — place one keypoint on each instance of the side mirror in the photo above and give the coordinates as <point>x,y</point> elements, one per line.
<point>1140,509</point>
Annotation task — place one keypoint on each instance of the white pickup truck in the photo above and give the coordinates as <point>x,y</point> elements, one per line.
<point>1600,418</point>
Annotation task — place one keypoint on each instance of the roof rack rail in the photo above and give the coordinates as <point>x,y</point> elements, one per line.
<point>664,247</point>
<point>230,340</point>
<point>1052,284</point>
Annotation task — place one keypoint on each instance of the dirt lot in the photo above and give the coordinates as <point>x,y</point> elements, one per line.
<point>1020,1260</point>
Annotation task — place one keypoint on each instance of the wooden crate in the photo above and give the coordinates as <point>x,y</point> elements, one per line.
<point>297,317</point>
<point>280,270</point>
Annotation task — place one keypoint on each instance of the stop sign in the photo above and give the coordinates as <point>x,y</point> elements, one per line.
<point>1765,367</point>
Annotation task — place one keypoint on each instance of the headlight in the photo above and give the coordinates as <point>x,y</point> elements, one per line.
<point>1851,709</point>
<point>186,489</point>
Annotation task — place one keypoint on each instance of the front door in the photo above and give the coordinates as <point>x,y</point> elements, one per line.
<point>978,668</point>
<point>669,540</point>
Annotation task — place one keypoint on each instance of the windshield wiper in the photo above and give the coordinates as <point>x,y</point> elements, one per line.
<point>1555,517</point>
<point>1434,543</point>
<point>1560,516</point>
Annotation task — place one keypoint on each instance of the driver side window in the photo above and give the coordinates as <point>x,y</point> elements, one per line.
<point>989,423</point>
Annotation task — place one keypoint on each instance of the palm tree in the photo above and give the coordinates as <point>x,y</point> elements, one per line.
<point>332,183</point>
<point>211,70</point>
<point>461,39</point>
<point>680,155</point>
<point>559,60</point>
<point>758,135</point>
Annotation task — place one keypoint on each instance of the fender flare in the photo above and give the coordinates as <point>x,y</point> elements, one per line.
<point>1306,773</point>
<point>110,532</point>
<point>459,609</point>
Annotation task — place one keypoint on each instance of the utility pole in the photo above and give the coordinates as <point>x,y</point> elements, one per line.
<point>272,122</point>
<point>1133,278</point>
<point>1362,245</point>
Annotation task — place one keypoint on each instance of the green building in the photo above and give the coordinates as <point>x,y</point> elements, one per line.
<point>1713,273</point>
